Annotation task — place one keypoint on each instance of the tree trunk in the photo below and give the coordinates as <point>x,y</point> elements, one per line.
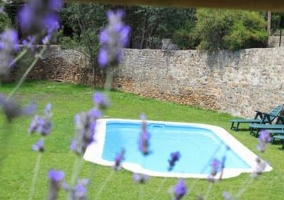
<point>268,23</point>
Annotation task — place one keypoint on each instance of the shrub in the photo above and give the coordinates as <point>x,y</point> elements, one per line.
<point>230,29</point>
<point>5,22</point>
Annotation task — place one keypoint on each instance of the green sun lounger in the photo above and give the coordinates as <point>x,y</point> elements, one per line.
<point>277,134</point>
<point>277,128</point>
<point>259,118</point>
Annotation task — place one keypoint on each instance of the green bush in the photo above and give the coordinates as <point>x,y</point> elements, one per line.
<point>186,37</point>
<point>230,29</point>
<point>247,32</point>
<point>5,22</point>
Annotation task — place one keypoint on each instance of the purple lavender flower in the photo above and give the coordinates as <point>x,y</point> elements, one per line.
<point>73,145</point>
<point>227,196</point>
<point>118,160</point>
<point>215,164</point>
<point>103,57</point>
<point>42,124</point>
<point>38,146</point>
<point>55,175</point>
<point>29,42</point>
<point>82,137</point>
<point>143,142</point>
<point>47,109</point>
<point>12,109</point>
<point>29,109</point>
<point>263,139</point>
<point>140,178</point>
<point>8,45</point>
<point>101,100</point>
<point>55,178</point>
<point>9,41</point>
<point>180,190</point>
<point>85,125</point>
<point>95,114</point>
<point>55,4</point>
<point>113,38</point>
<point>259,168</point>
<point>175,156</point>
<point>79,192</point>
<point>38,16</point>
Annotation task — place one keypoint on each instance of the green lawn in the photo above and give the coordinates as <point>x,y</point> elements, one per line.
<point>17,161</point>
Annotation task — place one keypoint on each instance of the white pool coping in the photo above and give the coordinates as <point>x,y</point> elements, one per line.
<point>94,151</point>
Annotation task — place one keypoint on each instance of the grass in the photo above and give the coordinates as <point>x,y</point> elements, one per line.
<point>17,160</point>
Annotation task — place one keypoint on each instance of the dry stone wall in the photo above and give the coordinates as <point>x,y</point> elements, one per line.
<point>232,82</point>
<point>68,66</point>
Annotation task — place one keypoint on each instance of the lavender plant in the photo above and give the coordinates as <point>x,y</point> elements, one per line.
<point>41,125</point>
<point>8,45</point>
<point>180,190</point>
<point>175,156</point>
<point>55,178</point>
<point>112,39</point>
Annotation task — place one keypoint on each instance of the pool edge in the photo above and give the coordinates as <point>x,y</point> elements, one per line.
<point>94,151</point>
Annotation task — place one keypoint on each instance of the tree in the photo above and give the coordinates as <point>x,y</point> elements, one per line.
<point>185,36</point>
<point>151,24</point>
<point>81,25</point>
<point>277,22</point>
<point>230,29</point>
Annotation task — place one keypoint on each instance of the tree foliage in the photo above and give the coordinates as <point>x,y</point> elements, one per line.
<point>277,22</point>
<point>187,27</point>
<point>81,23</point>
<point>230,29</point>
<point>151,24</point>
<point>185,36</point>
<point>5,21</point>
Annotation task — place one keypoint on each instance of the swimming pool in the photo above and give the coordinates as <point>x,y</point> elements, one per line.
<point>198,144</point>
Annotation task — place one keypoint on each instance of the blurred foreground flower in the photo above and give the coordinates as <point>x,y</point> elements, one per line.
<point>118,160</point>
<point>40,17</point>
<point>227,196</point>
<point>85,124</point>
<point>42,124</point>
<point>8,46</point>
<point>263,139</point>
<point>179,190</point>
<point>259,168</point>
<point>215,165</point>
<point>175,156</point>
<point>79,192</point>
<point>144,137</point>
<point>101,100</point>
<point>113,38</point>
<point>12,109</point>
<point>55,178</point>
<point>140,178</point>
<point>39,146</point>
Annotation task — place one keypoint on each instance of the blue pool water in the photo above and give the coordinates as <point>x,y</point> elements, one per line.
<point>198,146</point>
